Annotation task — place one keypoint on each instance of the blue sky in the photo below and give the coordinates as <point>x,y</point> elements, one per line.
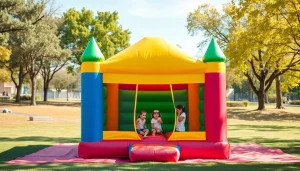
<point>163,18</point>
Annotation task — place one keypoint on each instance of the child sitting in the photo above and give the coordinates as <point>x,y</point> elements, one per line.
<point>156,122</point>
<point>141,124</point>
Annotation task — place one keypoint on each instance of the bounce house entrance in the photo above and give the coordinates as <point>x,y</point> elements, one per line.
<point>149,98</point>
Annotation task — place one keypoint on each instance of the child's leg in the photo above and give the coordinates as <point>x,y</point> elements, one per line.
<point>140,131</point>
<point>158,130</point>
<point>153,132</point>
<point>146,131</point>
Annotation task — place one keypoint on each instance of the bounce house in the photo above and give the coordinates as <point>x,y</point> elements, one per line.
<point>152,75</point>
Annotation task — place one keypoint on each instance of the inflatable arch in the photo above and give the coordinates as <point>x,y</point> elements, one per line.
<point>153,74</point>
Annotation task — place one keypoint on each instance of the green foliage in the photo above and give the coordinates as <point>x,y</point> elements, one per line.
<point>295,93</point>
<point>79,26</point>
<point>240,88</point>
<point>5,97</point>
<point>36,45</point>
<point>237,103</point>
<point>25,14</point>
<point>27,97</point>
<point>64,80</point>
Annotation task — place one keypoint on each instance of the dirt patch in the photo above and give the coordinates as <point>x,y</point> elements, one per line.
<point>66,112</point>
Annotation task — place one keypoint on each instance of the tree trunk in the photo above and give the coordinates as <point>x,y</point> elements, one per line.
<point>18,95</point>
<point>33,89</point>
<point>46,87</point>
<point>261,94</point>
<point>279,104</point>
<point>261,101</point>
<point>234,95</point>
<point>19,86</point>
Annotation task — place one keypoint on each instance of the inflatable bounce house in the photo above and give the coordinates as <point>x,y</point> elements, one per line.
<point>153,75</point>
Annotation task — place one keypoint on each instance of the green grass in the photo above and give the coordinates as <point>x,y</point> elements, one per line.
<point>272,128</point>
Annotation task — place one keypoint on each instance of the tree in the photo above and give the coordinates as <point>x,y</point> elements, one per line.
<point>52,64</point>
<point>79,26</point>
<point>249,35</point>
<point>18,16</point>
<point>38,43</point>
<point>59,82</point>
<point>64,80</point>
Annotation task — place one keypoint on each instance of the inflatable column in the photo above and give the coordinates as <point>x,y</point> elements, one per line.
<point>91,94</point>
<point>215,94</point>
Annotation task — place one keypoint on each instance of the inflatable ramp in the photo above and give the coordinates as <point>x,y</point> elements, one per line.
<point>154,152</point>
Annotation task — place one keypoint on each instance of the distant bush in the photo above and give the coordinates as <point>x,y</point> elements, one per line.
<point>272,98</point>
<point>237,103</point>
<point>4,97</point>
<point>295,102</point>
<point>26,97</point>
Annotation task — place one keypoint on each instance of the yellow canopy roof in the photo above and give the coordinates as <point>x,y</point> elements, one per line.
<point>152,55</point>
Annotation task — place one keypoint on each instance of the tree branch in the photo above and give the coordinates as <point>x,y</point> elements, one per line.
<point>254,70</point>
<point>251,83</point>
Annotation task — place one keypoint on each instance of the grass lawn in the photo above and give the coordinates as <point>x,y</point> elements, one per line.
<point>19,137</point>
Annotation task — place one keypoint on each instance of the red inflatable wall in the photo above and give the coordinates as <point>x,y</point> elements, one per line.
<point>215,107</point>
<point>188,149</point>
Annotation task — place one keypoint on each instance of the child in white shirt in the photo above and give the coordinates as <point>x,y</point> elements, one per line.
<point>156,122</point>
<point>141,124</point>
<point>181,117</point>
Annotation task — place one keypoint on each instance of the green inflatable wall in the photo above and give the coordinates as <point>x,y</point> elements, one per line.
<point>149,101</point>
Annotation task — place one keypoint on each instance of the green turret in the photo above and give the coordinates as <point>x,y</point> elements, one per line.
<point>214,53</point>
<point>92,52</point>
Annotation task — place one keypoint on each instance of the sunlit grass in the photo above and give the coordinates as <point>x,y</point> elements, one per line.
<point>19,137</point>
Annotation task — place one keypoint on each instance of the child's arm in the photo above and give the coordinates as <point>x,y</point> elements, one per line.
<point>152,125</point>
<point>137,121</point>
<point>145,125</point>
<point>160,120</point>
<point>181,117</point>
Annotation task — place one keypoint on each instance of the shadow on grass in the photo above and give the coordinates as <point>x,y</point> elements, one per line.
<point>255,115</point>
<point>42,139</point>
<point>156,166</point>
<point>51,103</point>
<point>288,146</point>
<point>15,152</point>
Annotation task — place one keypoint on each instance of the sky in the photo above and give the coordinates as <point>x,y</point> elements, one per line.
<point>161,18</point>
